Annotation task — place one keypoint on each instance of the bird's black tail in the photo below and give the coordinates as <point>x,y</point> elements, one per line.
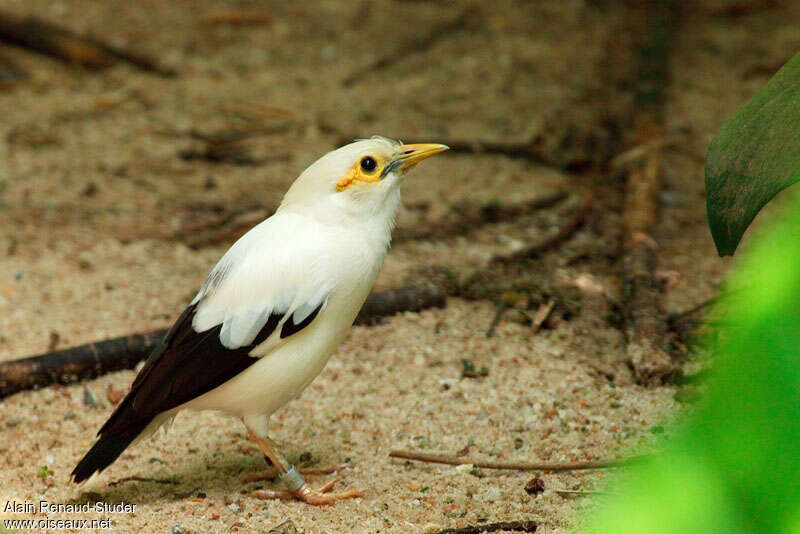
<point>112,442</point>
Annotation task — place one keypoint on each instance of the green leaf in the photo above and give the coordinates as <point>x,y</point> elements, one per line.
<point>735,466</point>
<point>753,157</point>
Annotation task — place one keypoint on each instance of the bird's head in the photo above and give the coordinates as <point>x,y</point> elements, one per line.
<point>359,179</point>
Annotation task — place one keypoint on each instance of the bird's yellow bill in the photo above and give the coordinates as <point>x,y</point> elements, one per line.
<point>410,155</point>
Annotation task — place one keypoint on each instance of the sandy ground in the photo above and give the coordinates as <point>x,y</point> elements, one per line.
<point>92,187</point>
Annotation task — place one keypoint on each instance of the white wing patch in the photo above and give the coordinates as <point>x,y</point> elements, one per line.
<point>256,280</point>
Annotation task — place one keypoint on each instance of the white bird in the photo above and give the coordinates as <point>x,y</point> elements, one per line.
<point>273,309</point>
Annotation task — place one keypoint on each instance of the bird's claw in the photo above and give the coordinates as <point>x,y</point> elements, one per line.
<point>272,472</point>
<point>309,495</point>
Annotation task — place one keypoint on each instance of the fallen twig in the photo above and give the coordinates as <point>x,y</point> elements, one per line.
<point>583,492</point>
<point>514,526</point>
<point>694,309</point>
<point>516,466</point>
<point>77,363</point>
<point>228,146</point>
<point>236,17</point>
<point>644,324</point>
<point>142,479</point>
<point>639,152</point>
<point>51,40</point>
<point>408,47</point>
<point>219,228</point>
<point>564,233</point>
<point>498,315</point>
<point>464,218</point>
<point>544,311</point>
<point>526,149</point>
<point>406,299</point>
<point>10,73</point>
<point>95,359</point>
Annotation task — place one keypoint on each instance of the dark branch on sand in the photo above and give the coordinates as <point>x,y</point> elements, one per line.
<point>52,40</point>
<point>96,359</point>
<point>514,526</point>
<point>437,458</point>
<point>409,47</point>
<point>564,233</point>
<point>463,218</point>
<point>645,324</point>
<point>527,149</point>
<point>143,479</point>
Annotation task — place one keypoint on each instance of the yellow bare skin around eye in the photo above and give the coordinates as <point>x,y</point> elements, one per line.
<point>356,174</point>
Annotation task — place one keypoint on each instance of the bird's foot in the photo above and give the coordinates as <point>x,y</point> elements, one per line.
<point>272,472</point>
<point>308,495</point>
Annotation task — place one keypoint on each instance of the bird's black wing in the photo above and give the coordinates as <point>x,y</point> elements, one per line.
<point>186,365</point>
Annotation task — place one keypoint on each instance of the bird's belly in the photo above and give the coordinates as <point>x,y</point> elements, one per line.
<point>282,374</point>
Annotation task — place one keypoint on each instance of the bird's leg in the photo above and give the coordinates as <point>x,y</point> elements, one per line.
<point>272,472</point>
<point>296,485</point>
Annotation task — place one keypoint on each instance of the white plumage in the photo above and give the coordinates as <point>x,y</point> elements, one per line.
<point>275,306</point>
<point>329,265</point>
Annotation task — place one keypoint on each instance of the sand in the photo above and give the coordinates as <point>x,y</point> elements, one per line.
<point>92,186</point>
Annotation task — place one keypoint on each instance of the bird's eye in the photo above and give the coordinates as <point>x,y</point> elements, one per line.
<point>368,164</point>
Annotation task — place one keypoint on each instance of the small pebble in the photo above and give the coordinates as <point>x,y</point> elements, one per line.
<point>85,260</point>
<point>287,527</point>
<point>535,486</point>
<point>233,507</point>
<point>114,395</point>
<point>88,399</point>
<point>11,422</point>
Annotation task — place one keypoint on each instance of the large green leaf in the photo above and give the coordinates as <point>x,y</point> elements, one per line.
<point>735,466</point>
<point>754,156</point>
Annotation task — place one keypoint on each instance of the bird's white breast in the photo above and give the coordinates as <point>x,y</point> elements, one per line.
<point>285,368</point>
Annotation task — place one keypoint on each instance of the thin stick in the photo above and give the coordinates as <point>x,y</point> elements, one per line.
<point>516,466</point>
<point>96,359</point>
<point>51,40</point>
<point>220,228</point>
<point>644,322</point>
<point>405,299</point>
<point>544,311</point>
<point>514,526</point>
<point>526,149</point>
<point>639,152</point>
<point>10,73</point>
<point>235,17</point>
<point>142,479</point>
<point>498,315</point>
<point>409,47</point>
<point>564,233</point>
<point>694,309</point>
<point>465,218</point>
<point>584,492</point>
